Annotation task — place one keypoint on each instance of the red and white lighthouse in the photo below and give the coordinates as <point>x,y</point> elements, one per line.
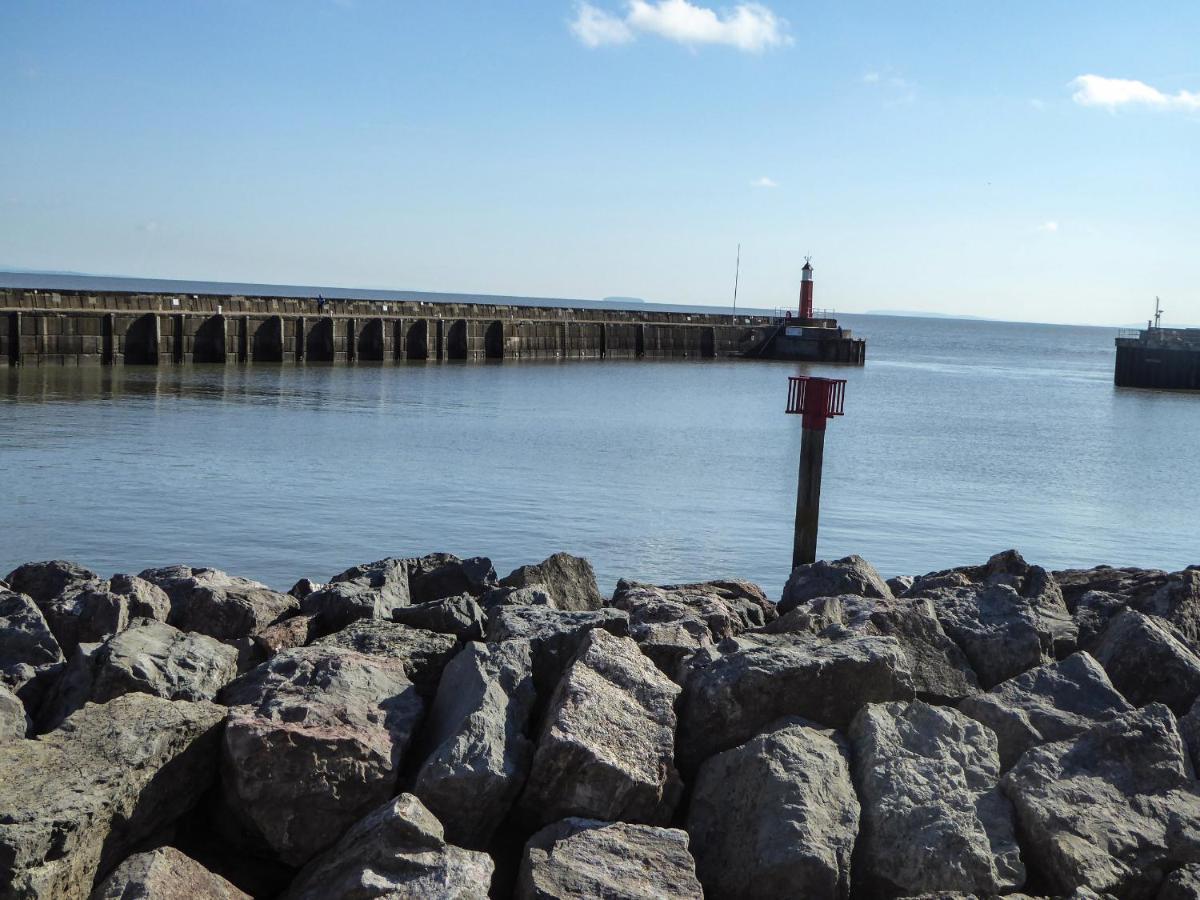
<point>806,289</point>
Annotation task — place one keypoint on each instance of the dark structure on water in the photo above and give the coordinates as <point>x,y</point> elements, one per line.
<point>1165,358</point>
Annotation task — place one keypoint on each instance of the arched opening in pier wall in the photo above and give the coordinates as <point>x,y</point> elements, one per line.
<point>370,341</point>
<point>456,340</point>
<point>267,345</point>
<point>493,341</point>
<point>209,344</point>
<point>318,345</point>
<point>141,341</point>
<point>708,343</point>
<point>416,342</point>
<point>639,343</point>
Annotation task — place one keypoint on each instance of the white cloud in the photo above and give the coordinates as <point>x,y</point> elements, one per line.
<point>1096,90</point>
<point>764,182</point>
<point>895,88</point>
<point>871,78</point>
<point>751,27</point>
<point>1050,227</point>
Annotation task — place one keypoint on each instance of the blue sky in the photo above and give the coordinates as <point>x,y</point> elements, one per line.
<point>939,156</point>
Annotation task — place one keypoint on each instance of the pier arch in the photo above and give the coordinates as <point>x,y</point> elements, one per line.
<point>493,341</point>
<point>456,340</point>
<point>267,343</point>
<point>318,345</point>
<point>208,346</point>
<point>370,341</point>
<point>708,343</point>
<point>141,341</point>
<point>416,342</point>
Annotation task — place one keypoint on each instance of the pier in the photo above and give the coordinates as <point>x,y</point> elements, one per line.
<point>1164,358</point>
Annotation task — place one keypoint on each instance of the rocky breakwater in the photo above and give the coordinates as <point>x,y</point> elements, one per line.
<point>420,727</point>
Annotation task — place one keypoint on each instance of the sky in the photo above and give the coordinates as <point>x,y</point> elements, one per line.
<point>1026,161</point>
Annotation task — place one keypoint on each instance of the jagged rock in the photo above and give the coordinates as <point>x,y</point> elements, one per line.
<point>304,587</point>
<point>932,816</point>
<point>43,581</point>
<point>533,595</point>
<point>460,616</point>
<point>900,584</point>
<point>14,723</point>
<point>91,611</point>
<point>1113,809</point>
<point>149,657</point>
<point>295,631</point>
<point>1132,585</point>
<point>1146,663</point>
<point>30,658</point>
<point>421,654</point>
<point>1178,601</point>
<point>1182,884</point>
<point>480,755</point>
<point>1050,703</point>
<point>568,579</point>
<point>397,851</point>
<point>554,636</point>
<point>314,740</point>
<point>941,672</point>
<point>589,858</point>
<point>165,874</point>
<point>849,575</point>
<point>78,800</point>
<point>670,625</point>
<point>1189,730</point>
<point>606,747</point>
<point>338,604</point>
<point>735,696</point>
<point>220,605</point>
<point>1093,611</point>
<point>777,816</point>
<point>728,607</point>
<point>441,575</point>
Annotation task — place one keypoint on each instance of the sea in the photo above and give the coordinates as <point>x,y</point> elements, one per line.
<point>960,439</point>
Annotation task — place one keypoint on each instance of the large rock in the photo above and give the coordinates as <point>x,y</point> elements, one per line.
<point>295,631</point>
<point>460,616</point>
<point>441,575</point>
<point>1049,703</point>
<point>776,817</point>
<point>165,874</point>
<point>1182,884</point>
<point>735,696</point>
<point>14,722</point>
<point>1113,809</point>
<point>1178,601</point>
<point>220,605</point>
<point>314,741</point>
<point>397,851</point>
<point>78,800</point>
<point>533,595</point>
<point>90,611</point>
<point>850,575</point>
<point>422,655</point>
<point>932,816</point>
<point>30,658</point>
<point>1132,585</point>
<point>554,636</point>
<point>568,579</point>
<point>480,755</point>
<point>1147,664</point>
<point>149,657</point>
<point>606,748</point>
<point>615,860</point>
<point>43,581</point>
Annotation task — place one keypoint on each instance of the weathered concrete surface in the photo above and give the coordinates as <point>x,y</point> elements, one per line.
<point>78,800</point>
<point>606,747</point>
<point>165,874</point>
<point>460,616</point>
<point>1050,703</point>
<point>734,697</point>
<point>397,851</point>
<point>1147,663</point>
<point>1113,809</point>
<point>421,655</point>
<point>588,858</point>
<point>314,740</point>
<point>850,575</point>
<point>220,605</point>
<point>480,755</point>
<point>569,580</point>
<point>776,817</point>
<point>30,658</point>
<point>933,818</point>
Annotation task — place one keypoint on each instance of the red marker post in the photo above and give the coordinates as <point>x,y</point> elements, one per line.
<point>817,400</point>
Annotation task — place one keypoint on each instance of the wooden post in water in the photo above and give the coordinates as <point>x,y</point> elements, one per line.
<point>816,400</point>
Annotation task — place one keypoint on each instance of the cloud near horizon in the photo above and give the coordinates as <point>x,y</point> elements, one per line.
<point>750,27</point>
<point>1113,93</point>
<point>764,182</point>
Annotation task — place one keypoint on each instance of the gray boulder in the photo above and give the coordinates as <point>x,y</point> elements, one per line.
<point>91,611</point>
<point>149,657</point>
<point>304,587</point>
<point>422,655</point>
<point>78,800</point>
<point>441,575</point>
<point>728,606</point>
<point>900,584</point>
<point>336,605</point>
<point>733,697</point>
<point>480,755</point>
<point>14,723</point>
<point>615,860</point>
<point>165,874</point>
<point>220,605</point>
<point>1113,809</point>
<point>932,816</point>
<point>1177,601</point>
<point>850,575</point>
<point>776,817</point>
<point>43,581</point>
<point>1147,664</point>
<point>1132,585</point>
<point>460,616</point>
<point>1182,884</point>
<point>397,851</point>
<point>532,595</point>
<point>554,636</point>
<point>314,740</point>
<point>1189,730</point>
<point>1093,611</point>
<point>670,625</point>
<point>30,658</point>
<point>295,631</point>
<point>606,747</point>
<point>568,579</point>
<point>1050,703</point>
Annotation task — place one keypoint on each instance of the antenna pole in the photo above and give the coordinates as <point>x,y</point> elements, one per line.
<point>736,274</point>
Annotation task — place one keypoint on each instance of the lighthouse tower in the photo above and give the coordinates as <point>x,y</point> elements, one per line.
<point>806,289</point>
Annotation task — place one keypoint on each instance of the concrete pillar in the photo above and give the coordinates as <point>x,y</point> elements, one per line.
<point>243,345</point>
<point>108,339</point>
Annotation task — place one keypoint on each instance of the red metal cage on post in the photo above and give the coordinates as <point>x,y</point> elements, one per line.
<point>817,399</point>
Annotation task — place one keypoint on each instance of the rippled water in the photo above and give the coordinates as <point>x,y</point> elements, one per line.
<point>960,439</point>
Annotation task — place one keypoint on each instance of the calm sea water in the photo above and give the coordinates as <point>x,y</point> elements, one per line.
<point>960,439</point>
